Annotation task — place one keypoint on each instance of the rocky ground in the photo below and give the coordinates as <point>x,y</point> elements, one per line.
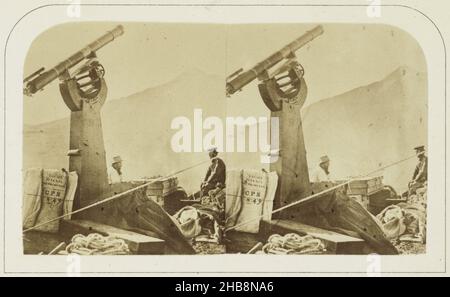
<point>206,248</point>
<point>410,248</point>
<point>414,248</point>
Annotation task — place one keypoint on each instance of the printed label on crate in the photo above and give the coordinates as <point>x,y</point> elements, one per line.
<point>53,191</point>
<point>254,187</point>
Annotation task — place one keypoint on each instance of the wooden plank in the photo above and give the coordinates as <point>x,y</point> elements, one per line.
<point>336,243</point>
<point>138,243</point>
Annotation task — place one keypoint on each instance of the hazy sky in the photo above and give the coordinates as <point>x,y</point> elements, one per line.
<point>344,57</point>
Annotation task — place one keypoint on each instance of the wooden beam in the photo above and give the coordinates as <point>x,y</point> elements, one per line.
<point>335,243</point>
<point>138,243</point>
<point>291,166</point>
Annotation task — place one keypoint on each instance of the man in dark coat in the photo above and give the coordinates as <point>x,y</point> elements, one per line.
<point>216,174</point>
<point>420,175</point>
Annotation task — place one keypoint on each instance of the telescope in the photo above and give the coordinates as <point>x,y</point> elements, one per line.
<point>240,80</point>
<point>39,79</point>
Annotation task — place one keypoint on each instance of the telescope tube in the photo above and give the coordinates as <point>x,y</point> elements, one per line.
<point>47,77</point>
<point>245,78</point>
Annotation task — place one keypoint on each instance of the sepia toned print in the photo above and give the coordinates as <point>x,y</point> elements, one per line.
<point>277,139</point>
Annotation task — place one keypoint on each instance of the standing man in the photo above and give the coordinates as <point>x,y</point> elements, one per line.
<point>216,174</point>
<point>420,175</point>
<point>322,173</point>
<point>116,174</point>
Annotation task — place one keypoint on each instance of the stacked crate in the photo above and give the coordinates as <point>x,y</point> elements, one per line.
<point>360,189</point>
<point>161,188</point>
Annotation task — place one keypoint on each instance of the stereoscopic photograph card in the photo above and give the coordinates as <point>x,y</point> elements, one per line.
<point>220,138</point>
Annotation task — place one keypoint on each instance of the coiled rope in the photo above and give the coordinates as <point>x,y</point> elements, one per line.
<point>96,244</point>
<point>292,243</point>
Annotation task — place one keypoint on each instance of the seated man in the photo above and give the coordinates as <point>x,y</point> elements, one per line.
<point>420,175</point>
<point>216,174</point>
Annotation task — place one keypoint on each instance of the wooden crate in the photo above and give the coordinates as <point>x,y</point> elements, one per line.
<point>365,186</point>
<point>159,189</point>
<point>163,187</point>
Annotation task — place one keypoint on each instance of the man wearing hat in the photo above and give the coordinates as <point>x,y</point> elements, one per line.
<point>322,173</point>
<point>116,175</point>
<point>420,175</point>
<point>216,174</point>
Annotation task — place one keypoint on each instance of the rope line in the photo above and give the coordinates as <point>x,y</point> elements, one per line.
<point>311,197</point>
<point>113,197</point>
